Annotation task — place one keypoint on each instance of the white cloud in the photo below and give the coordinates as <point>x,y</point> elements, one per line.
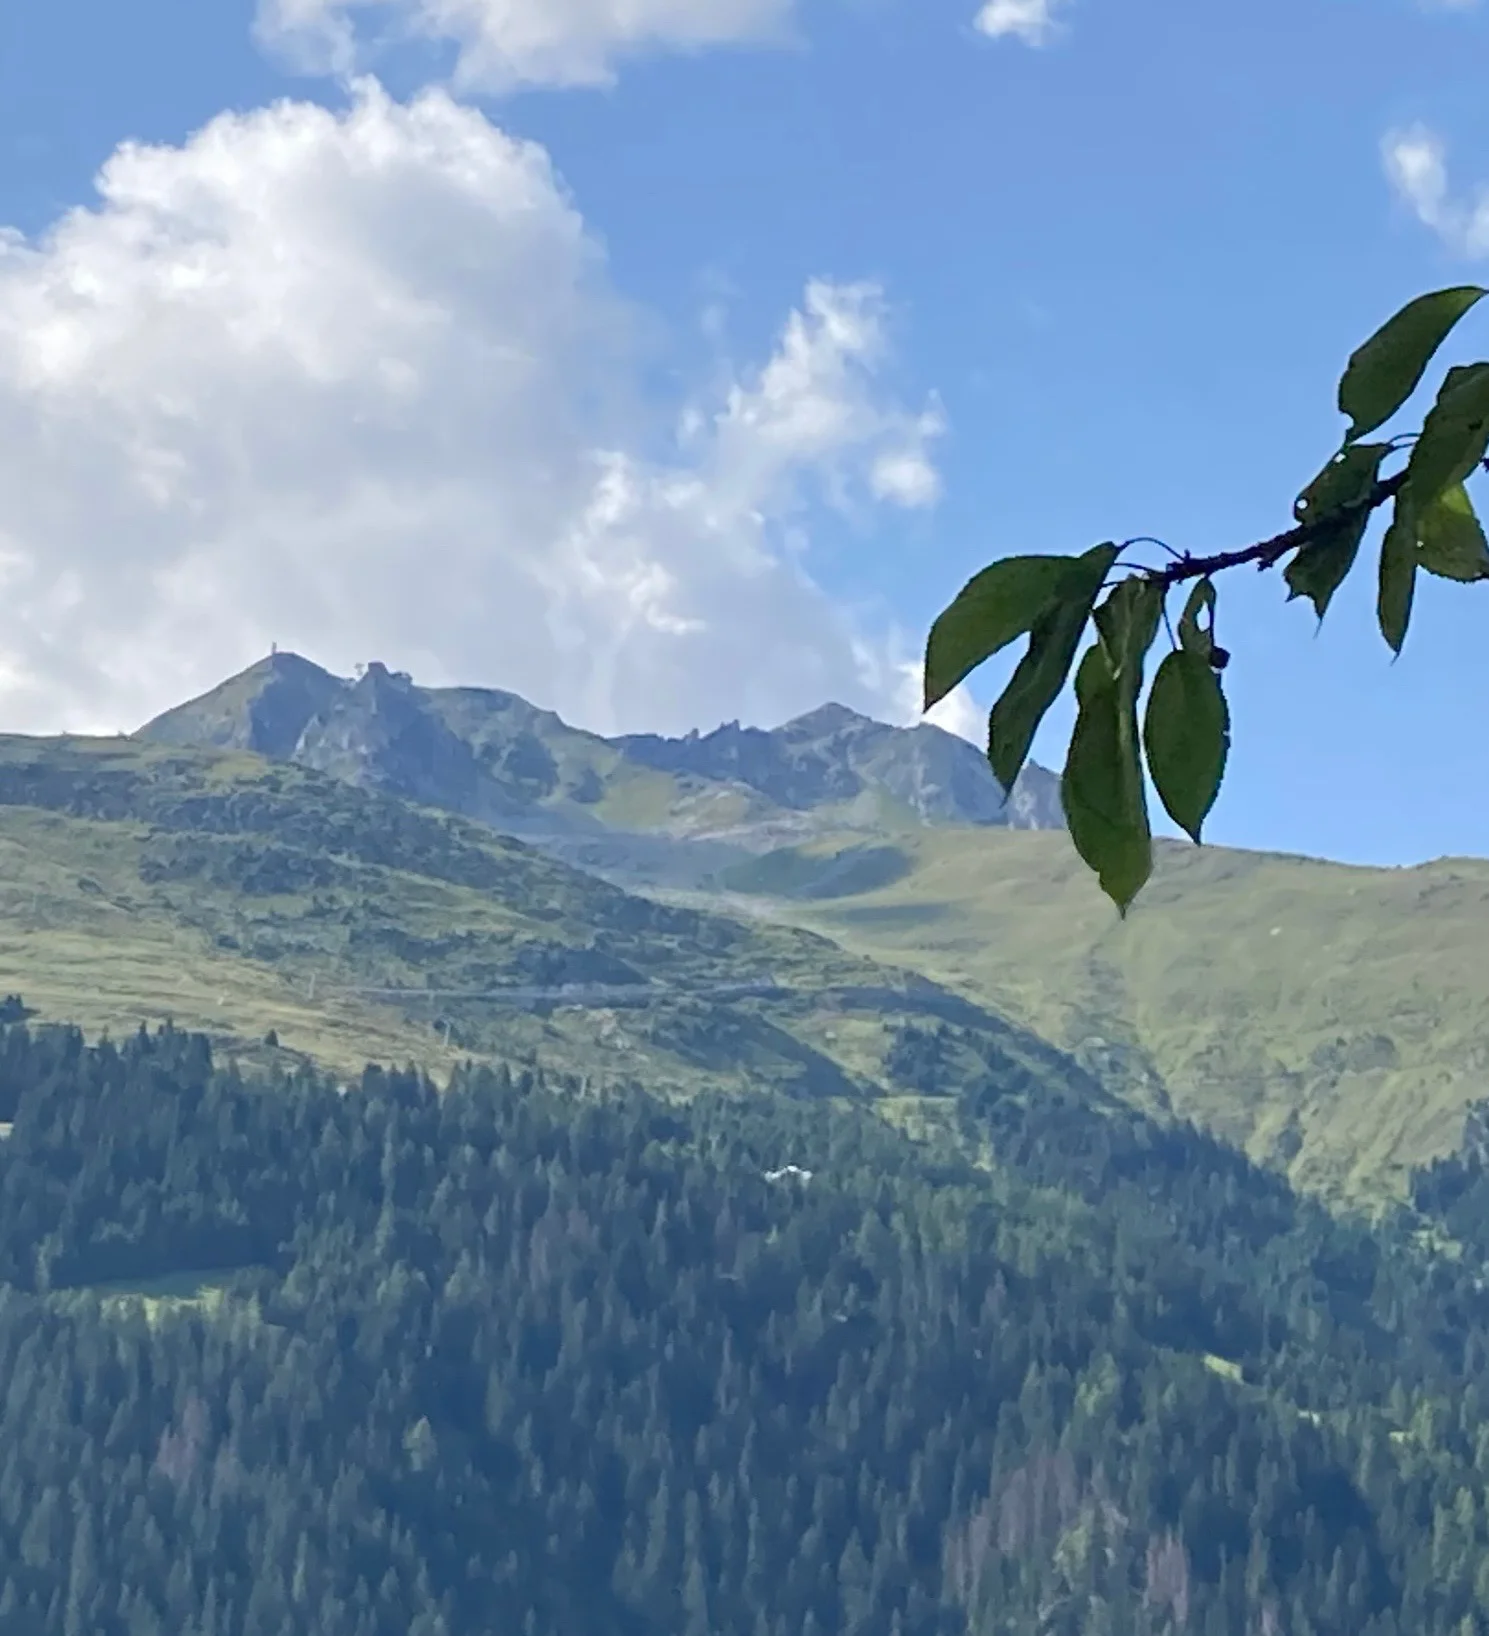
<point>1032,21</point>
<point>359,384</point>
<point>957,713</point>
<point>500,45</point>
<point>1415,162</point>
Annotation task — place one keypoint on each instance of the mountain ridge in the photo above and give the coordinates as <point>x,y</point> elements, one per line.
<point>491,755</point>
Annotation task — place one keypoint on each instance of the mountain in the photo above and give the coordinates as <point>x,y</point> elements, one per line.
<point>1333,1022</point>
<point>833,757</point>
<point>492,756</point>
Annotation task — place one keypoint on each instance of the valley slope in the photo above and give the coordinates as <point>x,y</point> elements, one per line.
<point>1332,1021</point>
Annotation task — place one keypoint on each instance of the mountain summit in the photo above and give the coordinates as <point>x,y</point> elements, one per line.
<point>491,755</point>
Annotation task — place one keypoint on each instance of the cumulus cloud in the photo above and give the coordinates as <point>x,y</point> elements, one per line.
<point>500,45</point>
<point>358,383</point>
<point>1415,163</point>
<point>1032,21</point>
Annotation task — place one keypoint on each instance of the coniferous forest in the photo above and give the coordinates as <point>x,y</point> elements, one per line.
<point>284,1356</point>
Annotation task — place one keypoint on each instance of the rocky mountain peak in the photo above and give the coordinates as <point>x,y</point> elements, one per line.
<point>493,755</point>
<point>824,722</point>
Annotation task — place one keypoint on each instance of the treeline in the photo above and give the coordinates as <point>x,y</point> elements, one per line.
<point>507,1357</point>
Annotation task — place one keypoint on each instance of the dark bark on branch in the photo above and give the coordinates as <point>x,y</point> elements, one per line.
<point>1268,553</point>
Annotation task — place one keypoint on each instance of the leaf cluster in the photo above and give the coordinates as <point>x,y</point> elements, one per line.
<point>1174,733</point>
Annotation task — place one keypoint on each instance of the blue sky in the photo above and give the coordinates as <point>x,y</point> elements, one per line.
<point>1116,270</point>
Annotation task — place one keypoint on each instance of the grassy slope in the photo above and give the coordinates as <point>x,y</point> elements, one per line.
<point>1332,1019</point>
<point>85,941</point>
<point>141,882</point>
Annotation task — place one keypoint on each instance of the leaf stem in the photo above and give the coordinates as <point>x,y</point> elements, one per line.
<point>1168,625</point>
<point>1149,539</point>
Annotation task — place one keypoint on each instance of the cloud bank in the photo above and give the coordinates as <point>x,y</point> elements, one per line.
<point>359,384</point>
<point>501,45</point>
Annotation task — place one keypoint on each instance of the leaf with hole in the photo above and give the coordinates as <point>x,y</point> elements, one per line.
<point>1340,491</point>
<point>1194,637</point>
<point>1384,372</point>
<point>1186,732</point>
<point>1045,666</point>
<point>996,607</point>
<point>1345,482</point>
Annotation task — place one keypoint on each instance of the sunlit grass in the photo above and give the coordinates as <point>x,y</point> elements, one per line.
<point>170,911</point>
<point>162,1297</point>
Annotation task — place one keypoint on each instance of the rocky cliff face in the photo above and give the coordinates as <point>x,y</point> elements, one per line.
<point>376,733</point>
<point>492,755</point>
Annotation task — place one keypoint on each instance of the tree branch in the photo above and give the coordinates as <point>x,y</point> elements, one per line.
<point>1268,553</point>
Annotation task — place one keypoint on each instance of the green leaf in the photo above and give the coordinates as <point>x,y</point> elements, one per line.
<point>1194,637</point>
<point>1346,481</point>
<point>1450,538</point>
<point>1341,488</point>
<point>1106,805</point>
<point>994,608</point>
<point>1042,672</point>
<point>1187,735</point>
<point>1127,622</point>
<point>1323,565</point>
<point>1385,371</point>
<point>1455,434</point>
<point>1398,572</point>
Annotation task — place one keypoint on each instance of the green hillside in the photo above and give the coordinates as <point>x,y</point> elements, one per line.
<point>143,882</point>
<point>1054,1364</point>
<point>1332,1020</point>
